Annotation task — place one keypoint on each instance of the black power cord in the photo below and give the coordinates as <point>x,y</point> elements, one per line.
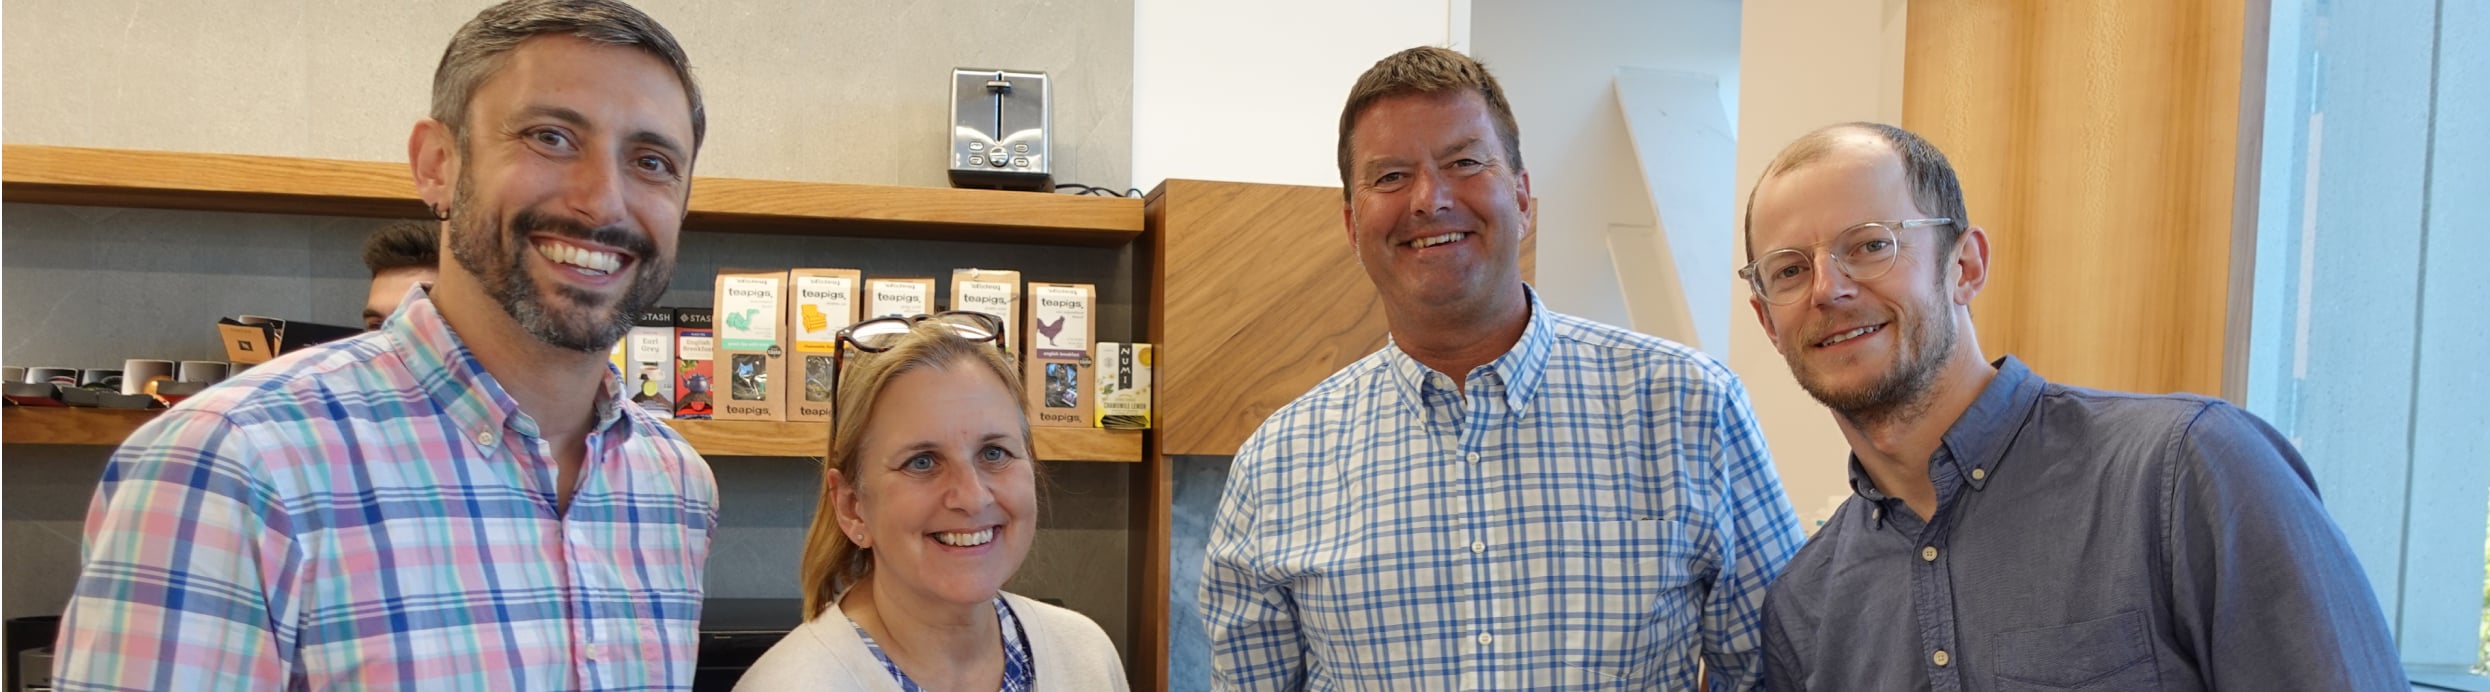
<point>1096,191</point>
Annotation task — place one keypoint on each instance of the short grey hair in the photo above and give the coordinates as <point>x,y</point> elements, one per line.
<point>480,48</point>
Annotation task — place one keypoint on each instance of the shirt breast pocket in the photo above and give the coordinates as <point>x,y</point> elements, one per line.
<point>2109,653</point>
<point>1623,590</point>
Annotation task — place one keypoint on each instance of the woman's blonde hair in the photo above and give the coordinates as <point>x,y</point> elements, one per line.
<point>832,561</point>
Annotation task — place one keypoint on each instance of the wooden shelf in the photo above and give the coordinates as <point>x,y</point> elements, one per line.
<point>714,438</point>
<point>285,185</point>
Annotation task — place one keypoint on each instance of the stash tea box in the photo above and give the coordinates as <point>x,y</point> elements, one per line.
<point>825,302</point>
<point>648,365</point>
<point>751,351</point>
<point>1060,332</point>
<point>695,345</point>
<point>898,297</point>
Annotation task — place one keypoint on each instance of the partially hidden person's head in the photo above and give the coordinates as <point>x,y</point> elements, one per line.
<point>1435,197</point>
<point>930,484</point>
<point>1863,267</point>
<point>400,255</point>
<point>559,150</point>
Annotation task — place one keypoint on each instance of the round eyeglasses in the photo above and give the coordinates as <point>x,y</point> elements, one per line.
<point>1862,252</point>
<point>879,334</point>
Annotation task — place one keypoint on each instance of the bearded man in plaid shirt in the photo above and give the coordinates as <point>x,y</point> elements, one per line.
<point>462,499</point>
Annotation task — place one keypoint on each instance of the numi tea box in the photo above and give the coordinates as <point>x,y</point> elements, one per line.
<point>991,291</point>
<point>751,349</point>
<point>695,355</point>
<point>648,370</point>
<point>825,302</point>
<point>1123,375</point>
<point>898,297</point>
<point>1060,332</point>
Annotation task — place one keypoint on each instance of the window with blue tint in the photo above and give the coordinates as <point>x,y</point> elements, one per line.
<point>2372,262</point>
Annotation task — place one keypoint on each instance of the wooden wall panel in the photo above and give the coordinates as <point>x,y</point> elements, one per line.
<point>2101,146</point>
<point>1260,298</point>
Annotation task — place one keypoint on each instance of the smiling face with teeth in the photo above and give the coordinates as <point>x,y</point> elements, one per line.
<point>1436,212</point>
<point>570,187</point>
<point>1873,350</point>
<point>944,493</point>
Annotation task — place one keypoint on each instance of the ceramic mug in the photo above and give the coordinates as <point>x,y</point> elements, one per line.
<point>138,373</point>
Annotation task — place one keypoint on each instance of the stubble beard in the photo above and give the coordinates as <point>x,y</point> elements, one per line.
<point>1901,393</point>
<point>496,254</point>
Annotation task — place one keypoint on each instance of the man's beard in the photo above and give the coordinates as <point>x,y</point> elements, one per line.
<point>496,254</point>
<point>1904,390</point>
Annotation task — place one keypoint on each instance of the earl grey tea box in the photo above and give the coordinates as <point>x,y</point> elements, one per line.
<point>994,292</point>
<point>824,303</point>
<point>751,348</point>
<point>1061,328</point>
<point>898,297</point>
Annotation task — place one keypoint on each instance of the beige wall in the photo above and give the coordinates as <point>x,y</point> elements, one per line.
<point>834,90</point>
<point>1805,64</point>
<point>824,90</point>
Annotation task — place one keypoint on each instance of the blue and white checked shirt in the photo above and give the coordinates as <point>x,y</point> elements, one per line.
<point>1593,509</point>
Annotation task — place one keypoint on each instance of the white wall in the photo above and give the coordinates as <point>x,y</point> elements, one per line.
<point>1251,91</point>
<point>1559,64</point>
<point>1804,65</point>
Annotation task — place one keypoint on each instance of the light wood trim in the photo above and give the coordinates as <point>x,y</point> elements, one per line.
<point>2099,144</point>
<point>46,425</point>
<point>713,438</point>
<point>1153,484</point>
<point>287,185</point>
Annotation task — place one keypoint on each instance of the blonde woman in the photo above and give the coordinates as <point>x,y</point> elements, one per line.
<point>928,504</point>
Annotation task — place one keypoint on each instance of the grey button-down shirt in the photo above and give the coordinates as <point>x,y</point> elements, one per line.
<point>2085,540</point>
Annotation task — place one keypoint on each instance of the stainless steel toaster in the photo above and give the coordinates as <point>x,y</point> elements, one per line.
<point>1000,130</point>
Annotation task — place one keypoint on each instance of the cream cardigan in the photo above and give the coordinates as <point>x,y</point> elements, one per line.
<point>1072,655</point>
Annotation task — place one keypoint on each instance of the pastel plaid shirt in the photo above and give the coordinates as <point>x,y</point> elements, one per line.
<point>1593,509</point>
<point>377,513</point>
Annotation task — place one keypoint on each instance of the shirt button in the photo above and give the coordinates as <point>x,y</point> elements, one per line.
<point>1474,457</point>
<point>1928,554</point>
<point>1940,658</point>
<point>595,651</point>
<point>1485,638</point>
<point>1478,546</point>
<point>484,438</point>
<point>1979,474</point>
<point>1877,514</point>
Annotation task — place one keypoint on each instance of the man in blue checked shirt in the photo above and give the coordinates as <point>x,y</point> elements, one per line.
<point>2009,533</point>
<point>1503,497</point>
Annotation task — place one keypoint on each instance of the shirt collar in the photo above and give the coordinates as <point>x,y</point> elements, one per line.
<point>1975,445</point>
<point>458,385</point>
<point>1520,370</point>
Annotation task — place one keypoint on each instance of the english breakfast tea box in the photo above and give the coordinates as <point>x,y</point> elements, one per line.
<point>751,349</point>
<point>1060,332</point>
<point>994,292</point>
<point>898,297</point>
<point>695,354</point>
<point>825,302</point>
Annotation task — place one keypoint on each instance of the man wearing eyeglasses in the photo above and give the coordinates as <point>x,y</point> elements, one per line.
<point>1503,498</point>
<point>2007,532</point>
